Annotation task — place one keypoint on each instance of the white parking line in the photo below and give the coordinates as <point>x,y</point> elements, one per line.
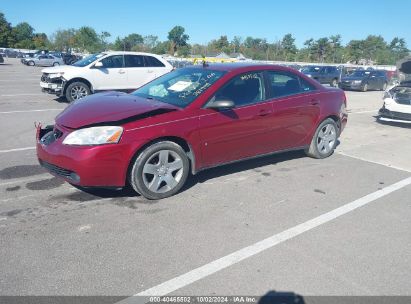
<point>13,80</point>
<point>29,111</point>
<point>13,95</point>
<point>361,112</point>
<point>18,149</point>
<point>16,198</point>
<point>25,180</point>
<point>373,162</point>
<point>247,252</point>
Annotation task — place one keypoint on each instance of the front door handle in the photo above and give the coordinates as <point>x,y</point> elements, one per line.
<point>121,72</point>
<point>263,113</point>
<point>314,102</point>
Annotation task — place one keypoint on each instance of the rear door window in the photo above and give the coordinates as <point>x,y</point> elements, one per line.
<point>153,62</point>
<point>286,84</point>
<point>134,61</point>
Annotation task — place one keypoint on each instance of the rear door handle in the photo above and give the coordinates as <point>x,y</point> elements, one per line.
<point>121,72</point>
<point>314,102</point>
<point>150,71</point>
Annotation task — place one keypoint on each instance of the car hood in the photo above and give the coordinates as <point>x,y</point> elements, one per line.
<point>59,69</point>
<point>110,108</point>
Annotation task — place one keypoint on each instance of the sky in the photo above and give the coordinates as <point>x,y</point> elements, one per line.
<point>207,20</point>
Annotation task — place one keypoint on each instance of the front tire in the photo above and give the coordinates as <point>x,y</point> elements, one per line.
<point>324,140</point>
<point>31,63</point>
<point>77,90</point>
<point>334,83</point>
<point>160,170</point>
<point>56,64</point>
<point>384,86</point>
<point>364,87</point>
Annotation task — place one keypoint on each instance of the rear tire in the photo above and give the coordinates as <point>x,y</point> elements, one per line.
<point>77,90</point>
<point>56,64</point>
<point>384,86</point>
<point>324,140</point>
<point>160,170</point>
<point>334,83</point>
<point>31,63</point>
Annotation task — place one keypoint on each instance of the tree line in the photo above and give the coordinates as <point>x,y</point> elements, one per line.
<point>372,49</point>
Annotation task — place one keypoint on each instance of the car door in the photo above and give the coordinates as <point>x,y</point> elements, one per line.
<point>111,75</point>
<point>137,72</point>
<point>42,60</point>
<point>51,60</point>
<point>241,132</point>
<point>296,109</point>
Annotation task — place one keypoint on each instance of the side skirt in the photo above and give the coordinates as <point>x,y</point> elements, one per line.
<point>250,158</point>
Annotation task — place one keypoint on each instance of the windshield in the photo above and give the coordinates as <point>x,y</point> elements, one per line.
<point>311,69</point>
<point>180,87</point>
<point>87,60</point>
<point>360,73</point>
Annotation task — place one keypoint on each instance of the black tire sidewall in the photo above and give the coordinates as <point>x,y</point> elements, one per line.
<point>71,85</point>
<point>315,138</point>
<point>136,179</point>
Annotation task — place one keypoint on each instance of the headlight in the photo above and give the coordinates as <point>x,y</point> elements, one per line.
<point>94,136</point>
<point>309,75</point>
<point>55,75</point>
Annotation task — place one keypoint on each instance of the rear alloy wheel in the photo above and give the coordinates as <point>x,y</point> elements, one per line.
<point>334,83</point>
<point>56,64</point>
<point>364,87</point>
<point>77,90</point>
<point>31,63</point>
<point>324,140</point>
<point>160,170</point>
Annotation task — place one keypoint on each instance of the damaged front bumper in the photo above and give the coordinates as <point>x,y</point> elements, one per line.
<point>52,85</point>
<point>85,166</point>
<point>397,105</point>
<point>394,112</point>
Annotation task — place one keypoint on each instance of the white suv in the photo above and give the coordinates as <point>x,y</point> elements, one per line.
<point>122,71</point>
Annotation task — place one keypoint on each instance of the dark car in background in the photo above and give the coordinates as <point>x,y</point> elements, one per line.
<point>324,74</point>
<point>1,59</point>
<point>364,80</point>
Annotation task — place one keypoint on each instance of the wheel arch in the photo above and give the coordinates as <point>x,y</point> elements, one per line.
<point>337,120</point>
<point>80,79</point>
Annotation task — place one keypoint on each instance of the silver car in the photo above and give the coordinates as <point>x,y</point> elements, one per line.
<point>44,60</point>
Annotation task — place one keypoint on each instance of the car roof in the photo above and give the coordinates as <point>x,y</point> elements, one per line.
<point>237,66</point>
<point>130,53</point>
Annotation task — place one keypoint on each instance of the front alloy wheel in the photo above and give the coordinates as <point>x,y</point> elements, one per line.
<point>160,170</point>
<point>77,90</point>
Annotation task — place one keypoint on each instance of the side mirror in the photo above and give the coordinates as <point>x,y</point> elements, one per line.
<point>224,104</point>
<point>98,64</point>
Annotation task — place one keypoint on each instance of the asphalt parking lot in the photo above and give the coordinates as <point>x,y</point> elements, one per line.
<point>339,226</point>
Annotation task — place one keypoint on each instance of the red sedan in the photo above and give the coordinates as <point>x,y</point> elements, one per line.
<point>189,120</point>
